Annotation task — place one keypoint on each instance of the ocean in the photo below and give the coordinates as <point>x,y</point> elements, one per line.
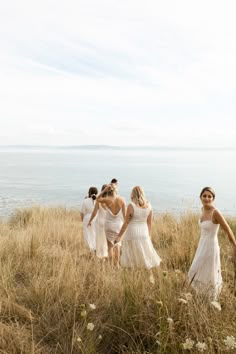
<point>61,176</point>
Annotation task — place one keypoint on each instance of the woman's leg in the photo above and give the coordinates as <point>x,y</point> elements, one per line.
<point>110,250</point>
<point>116,253</point>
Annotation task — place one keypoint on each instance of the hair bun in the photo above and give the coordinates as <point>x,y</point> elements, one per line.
<point>93,196</point>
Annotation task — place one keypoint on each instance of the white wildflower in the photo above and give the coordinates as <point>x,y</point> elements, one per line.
<point>79,339</point>
<point>201,346</point>
<point>183,300</point>
<point>188,296</point>
<point>151,279</point>
<point>216,305</point>
<point>188,344</point>
<point>230,342</point>
<point>177,271</point>
<point>170,320</point>
<point>90,326</point>
<point>92,306</point>
<point>100,337</point>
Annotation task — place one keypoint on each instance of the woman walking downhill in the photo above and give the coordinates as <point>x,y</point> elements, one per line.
<point>86,211</point>
<point>137,247</point>
<point>205,272</point>
<point>99,212</point>
<point>115,214</point>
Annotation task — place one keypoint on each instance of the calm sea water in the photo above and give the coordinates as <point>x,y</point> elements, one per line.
<point>172,179</point>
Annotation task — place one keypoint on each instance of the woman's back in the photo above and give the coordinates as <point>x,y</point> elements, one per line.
<point>87,206</point>
<point>113,223</point>
<point>140,214</point>
<point>114,204</point>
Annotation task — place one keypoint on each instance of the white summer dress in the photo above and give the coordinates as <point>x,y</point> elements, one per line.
<point>113,224</point>
<point>205,272</point>
<point>137,247</point>
<point>101,241</point>
<point>88,231</point>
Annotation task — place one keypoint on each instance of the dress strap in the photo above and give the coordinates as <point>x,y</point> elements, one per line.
<point>212,214</point>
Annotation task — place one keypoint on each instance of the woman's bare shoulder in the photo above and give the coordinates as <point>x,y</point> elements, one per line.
<point>121,199</point>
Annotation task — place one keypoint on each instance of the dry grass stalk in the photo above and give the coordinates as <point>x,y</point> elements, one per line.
<point>50,283</point>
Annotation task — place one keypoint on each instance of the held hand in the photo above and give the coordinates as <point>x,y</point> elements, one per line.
<point>117,240</point>
<point>89,224</point>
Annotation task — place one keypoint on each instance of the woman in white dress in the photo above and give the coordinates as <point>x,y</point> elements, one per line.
<point>205,272</point>
<point>99,212</point>
<point>86,211</point>
<point>115,214</point>
<point>137,247</point>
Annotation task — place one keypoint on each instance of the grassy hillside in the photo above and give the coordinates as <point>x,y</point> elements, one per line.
<point>57,298</point>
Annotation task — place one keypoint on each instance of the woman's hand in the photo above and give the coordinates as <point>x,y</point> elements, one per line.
<point>117,240</point>
<point>107,187</point>
<point>89,224</point>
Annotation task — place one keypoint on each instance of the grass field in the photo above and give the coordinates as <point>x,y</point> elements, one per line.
<point>57,298</point>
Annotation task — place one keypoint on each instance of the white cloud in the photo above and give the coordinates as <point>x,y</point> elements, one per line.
<point>142,71</point>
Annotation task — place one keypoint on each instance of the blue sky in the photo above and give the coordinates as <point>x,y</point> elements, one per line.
<point>118,72</point>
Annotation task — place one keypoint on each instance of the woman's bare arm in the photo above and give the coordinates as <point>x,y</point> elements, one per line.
<point>94,213</point>
<point>100,197</point>
<point>218,217</point>
<point>128,217</point>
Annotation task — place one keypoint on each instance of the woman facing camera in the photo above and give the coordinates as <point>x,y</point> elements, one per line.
<point>115,214</point>
<point>205,272</point>
<point>137,247</point>
<point>86,211</point>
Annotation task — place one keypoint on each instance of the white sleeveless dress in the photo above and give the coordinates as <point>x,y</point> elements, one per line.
<point>88,231</point>
<point>205,272</point>
<point>101,241</point>
<point>113,224</point>
<point>137,248</point>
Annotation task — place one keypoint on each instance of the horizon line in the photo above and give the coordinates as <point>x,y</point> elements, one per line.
<point>118,147</point>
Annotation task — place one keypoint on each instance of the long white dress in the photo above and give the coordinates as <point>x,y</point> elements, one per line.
<point>101,241</point>
<point>205,272</point>
<point>137,248</point>
<point>113,224</point>
<point>88,231</point>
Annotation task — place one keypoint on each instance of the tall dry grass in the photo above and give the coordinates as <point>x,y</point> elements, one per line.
<point>48,280</point>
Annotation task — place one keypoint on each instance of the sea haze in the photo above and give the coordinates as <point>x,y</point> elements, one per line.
<point>61,176</point>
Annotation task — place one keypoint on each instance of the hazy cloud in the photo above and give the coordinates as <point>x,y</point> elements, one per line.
<point>138,71</point>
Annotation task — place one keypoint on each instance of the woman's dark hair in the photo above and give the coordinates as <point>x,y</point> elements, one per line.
<point>114,180</point>
<point>208,189</point>
<point>92,193</point>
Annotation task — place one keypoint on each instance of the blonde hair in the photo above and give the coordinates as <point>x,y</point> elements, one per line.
<point>112,190</point>
<point>138,196</point>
